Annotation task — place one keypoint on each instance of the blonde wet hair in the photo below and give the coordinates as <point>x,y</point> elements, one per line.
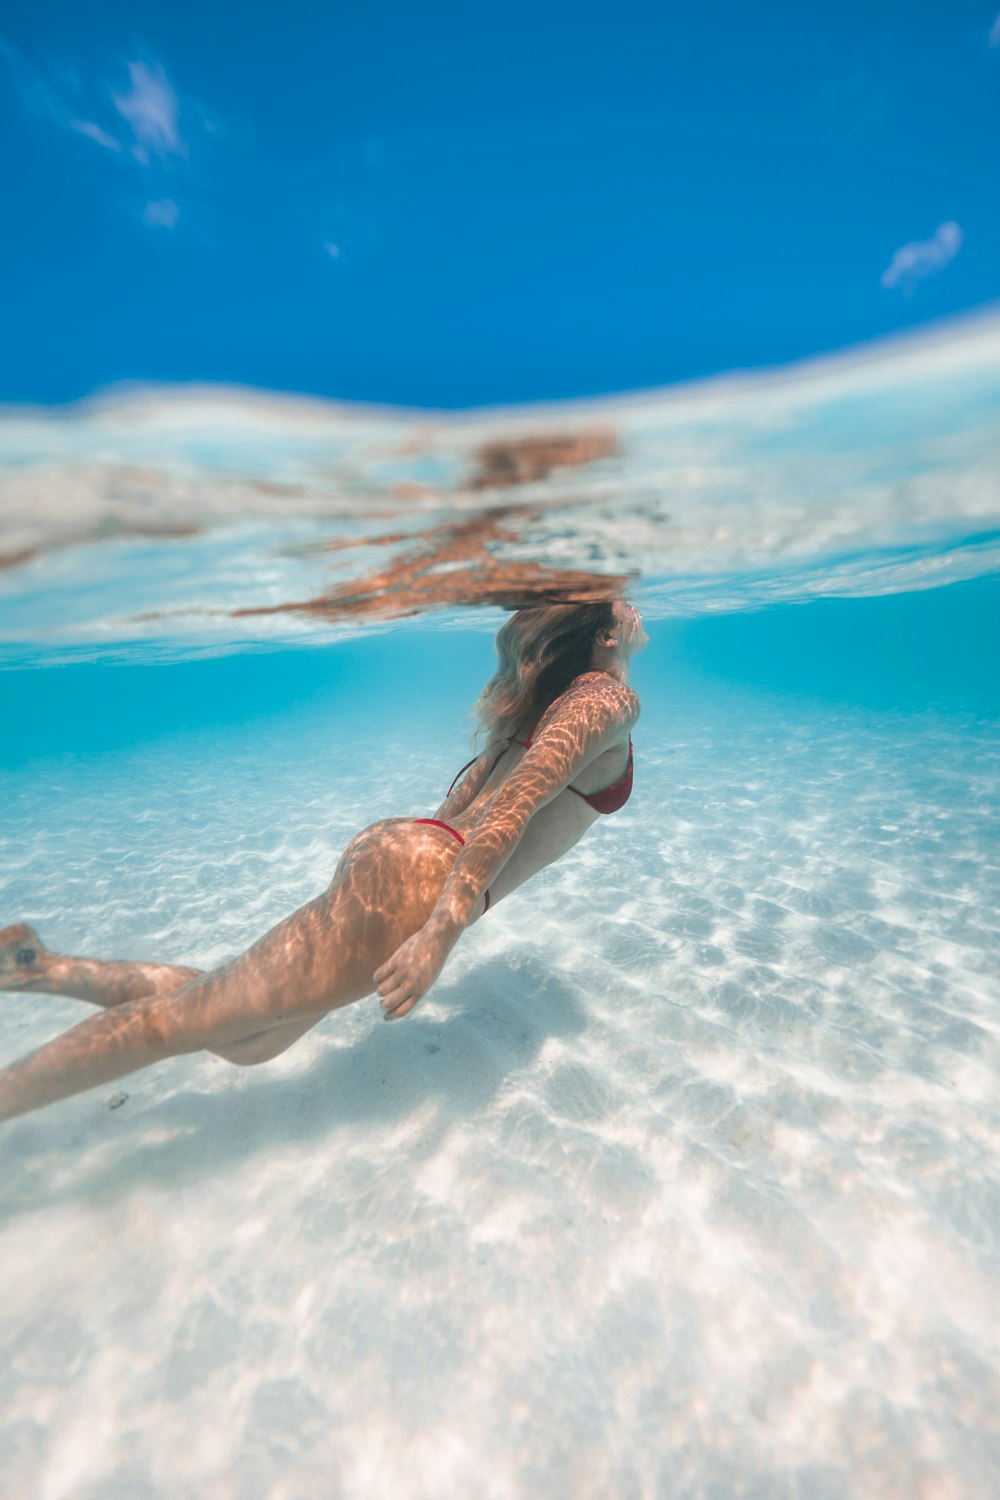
<point>540,651</point>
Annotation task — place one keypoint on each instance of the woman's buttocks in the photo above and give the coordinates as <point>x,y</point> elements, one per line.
<point>386,833</point>
<point>397,856</point>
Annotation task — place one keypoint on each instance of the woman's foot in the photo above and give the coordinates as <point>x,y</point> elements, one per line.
<point>22,956</point>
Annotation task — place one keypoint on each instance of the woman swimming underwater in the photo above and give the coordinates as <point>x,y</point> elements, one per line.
<point>558,713</point>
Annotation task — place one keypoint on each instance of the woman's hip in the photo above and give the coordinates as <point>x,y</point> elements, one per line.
<point>396,868</point>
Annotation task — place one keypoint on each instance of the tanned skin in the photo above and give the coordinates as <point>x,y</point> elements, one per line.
<point>401,897</point>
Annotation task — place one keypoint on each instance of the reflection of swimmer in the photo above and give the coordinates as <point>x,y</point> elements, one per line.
<point>403,892</point>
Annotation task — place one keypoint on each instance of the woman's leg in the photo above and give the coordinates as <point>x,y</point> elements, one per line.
<point>316,960</point>
<point>322,957</point>
<point>26,964</point>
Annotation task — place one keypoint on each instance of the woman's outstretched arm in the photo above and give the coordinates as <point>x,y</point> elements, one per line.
<point>582,726</point>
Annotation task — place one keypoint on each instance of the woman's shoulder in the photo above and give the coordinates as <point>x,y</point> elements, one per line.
<point>598,701</point>
<point>606,689</point>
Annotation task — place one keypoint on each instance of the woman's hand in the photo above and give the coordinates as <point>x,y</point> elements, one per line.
<point>407,976</point>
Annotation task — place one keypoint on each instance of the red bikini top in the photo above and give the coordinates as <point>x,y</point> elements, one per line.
<point>607,801</point>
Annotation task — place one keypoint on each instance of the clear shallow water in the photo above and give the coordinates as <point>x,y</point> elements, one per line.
<point>683,1182</point>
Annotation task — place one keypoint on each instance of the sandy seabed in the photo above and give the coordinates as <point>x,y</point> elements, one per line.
<point>683,1183</point>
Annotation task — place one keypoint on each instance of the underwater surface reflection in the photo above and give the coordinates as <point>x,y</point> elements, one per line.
<point>197,520</point>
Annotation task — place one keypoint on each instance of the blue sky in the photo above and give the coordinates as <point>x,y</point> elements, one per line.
<point>446,205</point>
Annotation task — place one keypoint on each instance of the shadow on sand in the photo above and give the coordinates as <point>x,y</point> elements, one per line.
<point>506,1014</point>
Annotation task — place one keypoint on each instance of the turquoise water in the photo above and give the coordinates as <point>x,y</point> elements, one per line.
<point>684,1179</point>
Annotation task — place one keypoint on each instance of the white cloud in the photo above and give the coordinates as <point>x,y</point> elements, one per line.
<point>332,249</point>
<point>995,33</point>
<point>165,214</point>
<point>912,262</point>
<point>150,106</point>
<point>95,133</point>
<point>137,118</point>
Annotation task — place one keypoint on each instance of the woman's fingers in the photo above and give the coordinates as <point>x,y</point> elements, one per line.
<point>401,1009</point>
<point>393,982</point>
<point>395,988</point>
<point>398,1005</point>
<point>393,993</point>
<point>406,975</point>
<point>400,993</point>
<point>388,977</point>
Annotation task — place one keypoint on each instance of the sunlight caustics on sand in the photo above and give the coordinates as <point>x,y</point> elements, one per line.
<point>691,1176</point>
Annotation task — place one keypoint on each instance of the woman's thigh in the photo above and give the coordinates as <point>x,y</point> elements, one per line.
<point>324,955</point>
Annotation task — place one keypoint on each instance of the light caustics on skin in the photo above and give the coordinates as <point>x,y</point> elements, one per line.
<point>588,719</point>
<point>400,897</point>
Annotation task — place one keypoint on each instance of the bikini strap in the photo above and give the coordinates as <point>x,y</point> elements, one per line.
<point>510,741</point>
<point>461,773</point>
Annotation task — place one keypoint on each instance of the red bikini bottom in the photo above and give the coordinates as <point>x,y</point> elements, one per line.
<point>436,823</point>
